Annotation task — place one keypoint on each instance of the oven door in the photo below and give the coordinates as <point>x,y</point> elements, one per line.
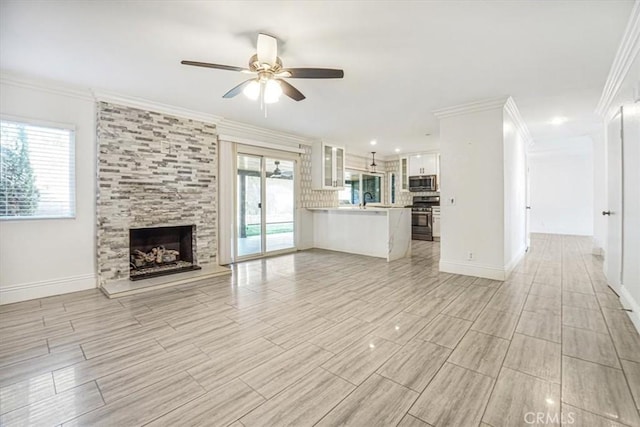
<point>421,226</point>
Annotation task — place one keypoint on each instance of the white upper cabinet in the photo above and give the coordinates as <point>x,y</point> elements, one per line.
<point>404,173</point>
<point>415,165</point>
<point>327,166</point>
<point>423,164</point>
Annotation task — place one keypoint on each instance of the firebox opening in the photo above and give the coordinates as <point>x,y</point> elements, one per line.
<point>157,251</point>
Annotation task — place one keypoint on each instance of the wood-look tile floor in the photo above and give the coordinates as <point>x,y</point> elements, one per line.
<point>327,338</point>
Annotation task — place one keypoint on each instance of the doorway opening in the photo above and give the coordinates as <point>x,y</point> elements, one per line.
<point>265,205</point>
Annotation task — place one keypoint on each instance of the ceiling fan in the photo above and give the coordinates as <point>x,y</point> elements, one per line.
<point>268,83</point>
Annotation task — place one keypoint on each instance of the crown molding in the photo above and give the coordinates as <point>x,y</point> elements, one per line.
<point>145,104</point>
<point>625,56</point>
<point>471,107</point>
<point>11,79</point>
<point>257,133</point>
<point>228,127</point>
<point>511,107</point>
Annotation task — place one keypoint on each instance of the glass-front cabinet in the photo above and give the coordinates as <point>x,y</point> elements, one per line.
<point>327,166</point>
<point>404,173</point>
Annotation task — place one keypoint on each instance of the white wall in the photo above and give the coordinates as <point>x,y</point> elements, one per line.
<point>61,253</point>
<point>562,191</point>
<point>514,193</point>
<point>472,173</point>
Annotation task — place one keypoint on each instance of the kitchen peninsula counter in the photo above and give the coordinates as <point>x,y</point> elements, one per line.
<point>374,231</point>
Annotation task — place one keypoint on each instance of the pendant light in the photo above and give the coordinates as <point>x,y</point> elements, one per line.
<point>373,161</point>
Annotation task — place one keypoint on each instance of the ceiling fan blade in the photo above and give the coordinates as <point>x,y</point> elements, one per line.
<point>236,90</point>
<point>217,66</point>
<point>314,73</point>
<point>291,91</point>
<point>267,49</point>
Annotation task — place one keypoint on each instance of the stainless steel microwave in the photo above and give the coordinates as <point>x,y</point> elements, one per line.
<point>422,183</point>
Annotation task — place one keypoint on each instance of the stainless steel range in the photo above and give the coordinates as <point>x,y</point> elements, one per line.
<point>422,217</point>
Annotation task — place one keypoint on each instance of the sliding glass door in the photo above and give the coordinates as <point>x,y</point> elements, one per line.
<point>280,209</point>
<point>249,205</point>
<point>265,205</point>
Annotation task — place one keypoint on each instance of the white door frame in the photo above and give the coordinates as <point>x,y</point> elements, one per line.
<point>527,203</point>
<point>263,153</point>
<point>614,259</point>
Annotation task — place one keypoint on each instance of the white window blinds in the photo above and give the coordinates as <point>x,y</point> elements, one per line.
<point>37,171</point>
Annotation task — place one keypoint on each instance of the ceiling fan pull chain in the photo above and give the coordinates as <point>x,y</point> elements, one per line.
<point>262,106</point>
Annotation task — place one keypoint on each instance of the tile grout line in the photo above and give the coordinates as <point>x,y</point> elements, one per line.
<point>446,361</point>
<point>624,374</point>
<point>495,382</point>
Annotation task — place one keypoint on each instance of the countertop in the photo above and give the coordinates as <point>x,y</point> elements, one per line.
<point>358,210</point>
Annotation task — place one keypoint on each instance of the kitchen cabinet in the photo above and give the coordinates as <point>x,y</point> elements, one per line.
<point>327,166</point>
<point>436,223</point>
<point>404,173</point>
<point>438,173</point>
<point>423,164</point>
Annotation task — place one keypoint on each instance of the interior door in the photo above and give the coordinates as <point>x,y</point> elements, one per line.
<point>527,198</point>
<point>613,256</point>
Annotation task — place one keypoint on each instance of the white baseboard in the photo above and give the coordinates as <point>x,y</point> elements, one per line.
<point>47,288</point>
<point>472,269</point>
<point>627,301</point>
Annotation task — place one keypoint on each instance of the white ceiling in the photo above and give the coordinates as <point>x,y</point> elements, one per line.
<point>401,59</point>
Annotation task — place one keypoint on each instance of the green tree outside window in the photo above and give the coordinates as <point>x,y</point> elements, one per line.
<point>18,193</point>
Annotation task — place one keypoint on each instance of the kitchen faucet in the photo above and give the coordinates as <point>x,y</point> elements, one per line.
<point>364,199</point>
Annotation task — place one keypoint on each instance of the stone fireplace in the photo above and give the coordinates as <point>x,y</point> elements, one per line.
<point>154,171</point>
<point>158,251</point>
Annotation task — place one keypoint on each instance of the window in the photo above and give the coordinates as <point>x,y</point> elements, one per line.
<point>357,184</point>
<point>37,171</point>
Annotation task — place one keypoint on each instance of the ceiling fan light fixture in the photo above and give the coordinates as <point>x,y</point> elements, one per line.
<point>277,173</point>
<point>272,91</point>
<point>268,85</point>
<point>252,90</point>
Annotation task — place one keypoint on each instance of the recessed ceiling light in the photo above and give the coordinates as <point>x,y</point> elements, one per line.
<point>558,120</point>
<point>397,150</point>
<point>373,142</point>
